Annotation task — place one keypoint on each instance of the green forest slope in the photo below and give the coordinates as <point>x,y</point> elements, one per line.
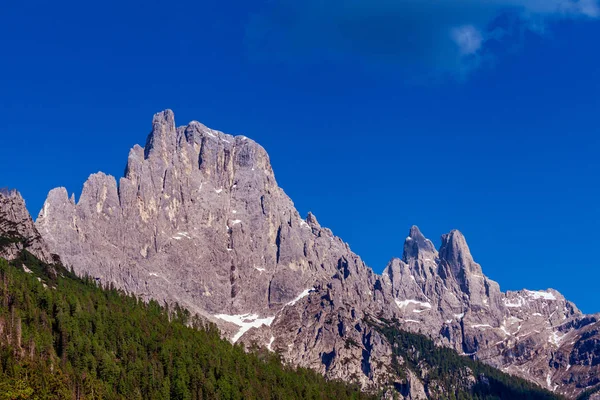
<point>62,337</point>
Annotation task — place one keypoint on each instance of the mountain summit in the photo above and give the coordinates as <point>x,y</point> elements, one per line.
<point>199,219</point>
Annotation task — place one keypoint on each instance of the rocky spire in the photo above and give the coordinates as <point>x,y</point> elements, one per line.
<point>455,252</point>
<point>18,230</point>
<point>417,246</point>
<point>163,138</point>
<point>311,220</point>
<point>199,220</point>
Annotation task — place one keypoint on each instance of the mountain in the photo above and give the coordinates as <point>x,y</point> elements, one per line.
<point>199,220</point>
<point>62,337</point>
<point>17,229</point>
<point>67,337</point>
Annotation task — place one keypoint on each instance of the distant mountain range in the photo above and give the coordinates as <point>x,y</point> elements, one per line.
<point>199,220</point>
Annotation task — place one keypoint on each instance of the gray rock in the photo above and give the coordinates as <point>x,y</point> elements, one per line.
<point>17,230</point>
<point>199,219</point>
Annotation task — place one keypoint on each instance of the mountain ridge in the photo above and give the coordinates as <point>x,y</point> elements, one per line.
<point>202,200</point>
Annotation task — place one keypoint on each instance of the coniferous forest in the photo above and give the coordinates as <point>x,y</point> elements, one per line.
<point>64,337</point>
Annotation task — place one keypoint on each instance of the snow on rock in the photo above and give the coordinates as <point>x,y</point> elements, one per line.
<point>269,346</point>
<point>300,296</point>
<point>481,326</point>
<point>518,303</point>
<point>245,322</point>
<point>555,338</point>
<point>405,303</point>
<point>546,295</point>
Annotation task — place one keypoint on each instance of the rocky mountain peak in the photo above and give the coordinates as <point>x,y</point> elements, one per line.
<point>311,220</point>
<point>455,253</point>
<point>199,219</point>
<point>17,230</point>
<point>417,246</point>
<point>162,139</point>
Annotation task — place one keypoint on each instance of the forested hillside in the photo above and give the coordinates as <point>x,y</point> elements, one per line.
<point>65,338</point>
<point>448,375</point>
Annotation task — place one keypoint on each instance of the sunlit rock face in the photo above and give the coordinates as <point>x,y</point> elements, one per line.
<point>199,219</point>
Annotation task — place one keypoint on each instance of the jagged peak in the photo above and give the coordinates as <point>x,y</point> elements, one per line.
<point>166,115</point>
<point>58,193</point>
<point>6,192</point>
<point>99,177</point>
<point>311,220</point>
<point>454,248</point>
<point>57,198</point>
<point>416,245</point>
<point>162,138</point>
<point>394,263</point>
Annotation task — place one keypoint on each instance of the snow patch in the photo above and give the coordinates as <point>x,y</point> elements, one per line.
<point>300,297</point>
<point>217,191</point>
<point>555,338</point>
<point>412,320</point>
<point>271,343</point>
<point>259,269</point>
<point>236,221</point>
<point>459,316</point>
<point>245,322</point>
<point>540,295</point>
<point>481,326</point>
<point>405,303</point>
<point>27,270</point>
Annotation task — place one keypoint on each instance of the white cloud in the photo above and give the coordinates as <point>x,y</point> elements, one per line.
<point>468,39</point>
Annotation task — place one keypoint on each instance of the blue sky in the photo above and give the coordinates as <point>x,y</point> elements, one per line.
<point>379,114</point>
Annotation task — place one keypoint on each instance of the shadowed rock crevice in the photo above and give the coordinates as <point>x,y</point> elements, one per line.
<point>327,359</point>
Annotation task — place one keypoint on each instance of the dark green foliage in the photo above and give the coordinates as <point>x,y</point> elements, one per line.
<point>74,340</point>
<point>447,373</point>
<point>62,337</point>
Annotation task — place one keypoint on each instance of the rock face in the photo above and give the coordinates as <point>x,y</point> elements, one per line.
<point>532,334</point>
<point>17,230</point>
<point>199,219</point>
